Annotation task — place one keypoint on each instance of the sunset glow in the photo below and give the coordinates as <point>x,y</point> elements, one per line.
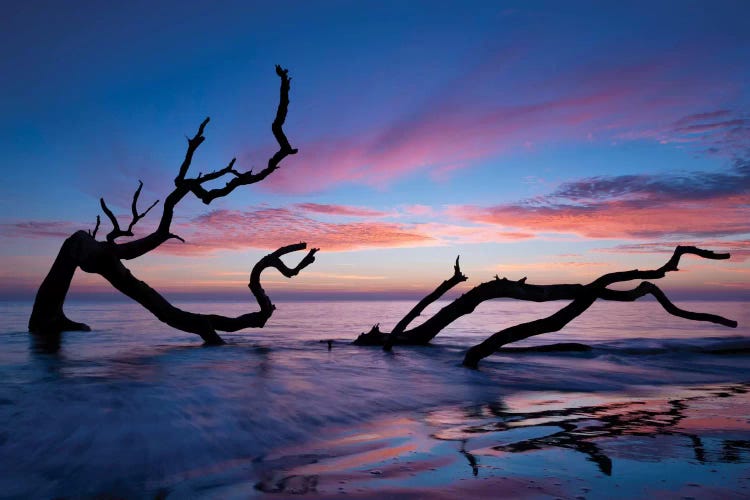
<point>528,139</point>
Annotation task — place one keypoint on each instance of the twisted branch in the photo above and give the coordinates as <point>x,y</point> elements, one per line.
<point>597,289</point>
<point>242,179</point>
<point>184,185</point>
<point>205,325</point>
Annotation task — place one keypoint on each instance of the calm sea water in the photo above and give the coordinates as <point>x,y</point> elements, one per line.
<point>134,406</point>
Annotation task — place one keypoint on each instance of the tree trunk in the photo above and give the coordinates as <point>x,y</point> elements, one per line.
<point>100,257</point>
<point>47,316</point>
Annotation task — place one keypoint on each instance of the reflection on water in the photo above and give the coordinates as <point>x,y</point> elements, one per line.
<point>579,428</point>
<point>668,431</point>
<point>135,409</point>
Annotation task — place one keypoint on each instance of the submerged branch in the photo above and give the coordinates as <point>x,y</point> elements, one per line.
<point>581,297</point>
<point>597,290</point>
<point>446,285</point>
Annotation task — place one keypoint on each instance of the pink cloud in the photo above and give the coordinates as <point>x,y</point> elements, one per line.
<point>319,208</point>
<point>418,210</point>
<point>632,206</point>
<point>452,234</point>
<point>274,227</point>
<point>619,219</point>
<point>267,228</point>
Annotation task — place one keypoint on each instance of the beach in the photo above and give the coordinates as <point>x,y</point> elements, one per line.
<point>658,407</point>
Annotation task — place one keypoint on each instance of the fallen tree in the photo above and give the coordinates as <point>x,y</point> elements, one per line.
<point>581,297</point>
<point>82,249</point>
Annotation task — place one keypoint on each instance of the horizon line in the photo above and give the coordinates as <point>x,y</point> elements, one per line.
<point>742,295</point>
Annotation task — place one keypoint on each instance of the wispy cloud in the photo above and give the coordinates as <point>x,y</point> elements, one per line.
<point>39,229</point>
<point>273,227</point>
<point>345,210</point>
<point>454,128</point>
<point>268,227</point>
<point>648,206</point>
<point>723,132</point>
<point>418,210</point>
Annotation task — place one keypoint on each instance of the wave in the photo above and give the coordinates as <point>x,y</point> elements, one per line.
<point>642,346</point>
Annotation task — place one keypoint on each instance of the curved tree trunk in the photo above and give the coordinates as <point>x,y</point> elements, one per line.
<point>82,250</point>
<point>47,316</point>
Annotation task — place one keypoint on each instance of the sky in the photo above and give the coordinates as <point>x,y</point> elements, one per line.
<point>553,140</point>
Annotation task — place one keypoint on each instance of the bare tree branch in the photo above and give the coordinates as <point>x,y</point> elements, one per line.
<point>193,144</point>
<point>218,173</point>
<point>648,288</point>
<point>446,285</point>
<point>136,248</point>
<point>595,290</point>
<point>670,265</point>
<point>116,231</point>
<point>466,304</point>
<point>134,208</point>
<point>96,228</point>
<point>285,149</point>
<point>205,325</point>
<point>582,296</point>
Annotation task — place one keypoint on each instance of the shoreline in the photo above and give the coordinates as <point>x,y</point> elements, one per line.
<point>667,441</point>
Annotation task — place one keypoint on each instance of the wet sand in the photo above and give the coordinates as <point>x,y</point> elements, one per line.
<point>666,442</point>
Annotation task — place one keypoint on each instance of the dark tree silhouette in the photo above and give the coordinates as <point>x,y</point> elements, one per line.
<point>581,297</point>
<point>83,250</point>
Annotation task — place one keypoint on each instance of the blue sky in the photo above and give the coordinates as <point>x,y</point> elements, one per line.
<point>554,140</point>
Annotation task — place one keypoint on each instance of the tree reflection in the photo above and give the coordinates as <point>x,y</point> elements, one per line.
<point>583,427</point>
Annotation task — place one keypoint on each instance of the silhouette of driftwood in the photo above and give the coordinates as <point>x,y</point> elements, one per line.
<point>82,249</point>
<point>581,297</point>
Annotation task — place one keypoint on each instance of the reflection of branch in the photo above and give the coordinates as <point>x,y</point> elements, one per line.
<point>612,420</point>
<point>563,439</point>
<point>698,449</point>
<point>731,449</point>
<point>471,458</point>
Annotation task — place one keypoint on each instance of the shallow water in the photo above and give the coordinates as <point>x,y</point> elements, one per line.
<point>136,409</point>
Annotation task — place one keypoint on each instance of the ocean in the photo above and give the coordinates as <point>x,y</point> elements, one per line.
<point>135,409</point>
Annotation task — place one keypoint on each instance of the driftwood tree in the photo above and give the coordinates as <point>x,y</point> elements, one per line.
<point>581,297</point>
<point>83,250</point>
